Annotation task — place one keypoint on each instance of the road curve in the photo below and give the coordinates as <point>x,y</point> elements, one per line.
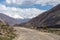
<point>30,34</point>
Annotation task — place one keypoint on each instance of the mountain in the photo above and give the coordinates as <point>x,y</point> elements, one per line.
<point>23,20</point>
<point>11,21</point>
<point>48,18</point>
<point>8,20</point>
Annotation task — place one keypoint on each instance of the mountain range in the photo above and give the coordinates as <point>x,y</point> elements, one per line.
<point>49,18</point>
<point>11,21</point>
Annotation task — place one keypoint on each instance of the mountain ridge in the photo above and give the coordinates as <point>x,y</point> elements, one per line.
<point>11,21</point>
<point>48,18</point>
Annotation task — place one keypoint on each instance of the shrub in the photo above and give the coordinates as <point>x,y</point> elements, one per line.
<point>6,32</point>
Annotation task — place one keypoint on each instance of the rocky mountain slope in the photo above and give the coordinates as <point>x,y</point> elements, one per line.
<point>7,20</point>
<point>11,21</point>
<point>48,18</point>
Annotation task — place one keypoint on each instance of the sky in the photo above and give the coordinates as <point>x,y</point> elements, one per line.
<point>26,8</point>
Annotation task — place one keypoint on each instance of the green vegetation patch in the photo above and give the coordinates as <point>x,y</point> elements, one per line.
<point>51,30</point>
<point>6,32</point>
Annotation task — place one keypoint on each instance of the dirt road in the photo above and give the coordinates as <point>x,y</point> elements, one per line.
<point>30,34</point>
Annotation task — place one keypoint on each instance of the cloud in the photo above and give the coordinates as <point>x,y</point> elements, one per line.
<point>28,2</point>
<point>14,1</point>
<point>2,7</point>
<point>48,2</point>
<point>17,16</point>
<point>19,12</point>
<point>31,2</point>
<point>8,1</point>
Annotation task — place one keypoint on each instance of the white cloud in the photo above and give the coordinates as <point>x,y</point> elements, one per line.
<point>17,16</point>
<point>8,1</point>
<point>19,12</point>
<point>30,2</point>
<point>2,7</point>
<point>14,1</point>
<point>49,2</point>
